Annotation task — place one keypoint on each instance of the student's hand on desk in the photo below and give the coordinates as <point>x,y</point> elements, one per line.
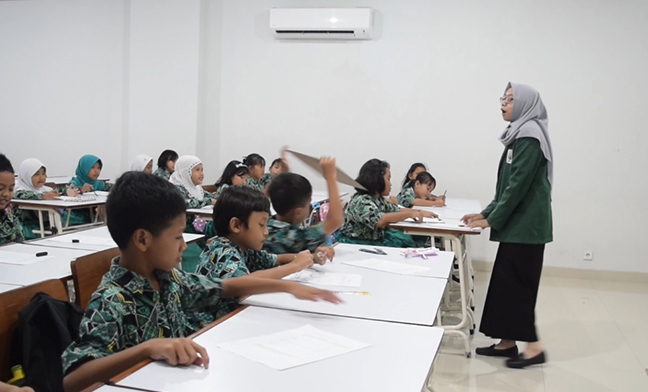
<point>73,192</point>
<point>303,260</point>
<point>323,254</point>
<point>483,223</point>
<point>418,215</point>
<point>177,352</point>
<point>51,195</point>
<point>472,217</point>
<point>313,294</point>
<point>86,188</point>
<point>328,168</point>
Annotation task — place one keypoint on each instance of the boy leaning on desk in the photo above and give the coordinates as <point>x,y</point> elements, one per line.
<point>144,306</point>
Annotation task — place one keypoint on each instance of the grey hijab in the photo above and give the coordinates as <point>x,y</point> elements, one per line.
<point>529,119</point>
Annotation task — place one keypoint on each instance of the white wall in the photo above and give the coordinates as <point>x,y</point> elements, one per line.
<point>118,78</point>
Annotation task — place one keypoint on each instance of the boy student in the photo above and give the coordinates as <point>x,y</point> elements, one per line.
<point>240,220</point>
<point>10,228</point>
<point>145,307</point>
<point>291,195</point>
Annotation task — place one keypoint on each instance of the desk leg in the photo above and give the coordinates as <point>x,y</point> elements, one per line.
<point>41,224</point>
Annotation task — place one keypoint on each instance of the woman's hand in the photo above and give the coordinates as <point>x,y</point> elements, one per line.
<point>483,223</point>
<point>86,188</point>
<point>471,217</point>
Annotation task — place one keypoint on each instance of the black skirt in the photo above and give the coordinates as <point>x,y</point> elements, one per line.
<point>509,310</point>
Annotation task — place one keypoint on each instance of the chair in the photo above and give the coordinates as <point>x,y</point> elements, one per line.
<point>12,302</point>
<point>87,272</point>
<point>210,188</point>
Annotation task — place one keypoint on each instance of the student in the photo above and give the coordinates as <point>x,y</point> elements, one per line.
<point>32,175</point>
<point>258,179</point>
<point>235,173</point>
<point>280,165</point>
<point>188,177</point>
<point>166,164</point>
<point>144,306</point>
<point>417,192</point>
<point>368,215</point>
<point>291,195</point>
<point>10,228</point>
<point>87,175</point>
<point>240,220</point>
<point>413,171</point>
<point>143,163</point>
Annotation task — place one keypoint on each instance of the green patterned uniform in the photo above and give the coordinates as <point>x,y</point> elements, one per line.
<point>223,259</point>
<point>190,257</point>
<point>10,228</point>
<point>161,172</point>
<point>126,310</point>
<point>192,202</point>
<point>286,238</point>
<point>106,188</point>
<point>260,184</point>
<point>220,190</point>
<point>361,220</point>
<point>29,218</point>
<point>406,196</point>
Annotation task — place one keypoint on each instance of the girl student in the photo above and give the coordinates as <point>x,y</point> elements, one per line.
<point>166,164</point>
<point>417,192</point>
<point>143,163</point>
<point>235,173</point>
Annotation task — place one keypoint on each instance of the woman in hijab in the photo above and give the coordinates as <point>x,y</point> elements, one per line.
<point>520,220</point>
<point>142,163</point>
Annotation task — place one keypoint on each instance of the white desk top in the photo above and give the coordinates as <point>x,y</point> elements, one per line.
<point>55,265</point>
<point>398,360</point>
<point>97,239</point>
<point>6,287</point>
<point>398,298</point>
<point>100,200</point>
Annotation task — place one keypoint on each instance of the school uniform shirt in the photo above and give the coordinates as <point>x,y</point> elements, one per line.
<point>126,310</point>
<point>220,190</point>
<point>521,210</point>
<point>362,217</point>
<point>288,238</point>
<point>10,228</point>
<point>104,188</point>
<point>406,197</point>
<point>192,202</point>
<point>162,172</point>
<point>223,259</point>
<point>260,184</point>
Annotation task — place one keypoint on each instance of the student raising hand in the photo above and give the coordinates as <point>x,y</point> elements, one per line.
<point>179,351</point>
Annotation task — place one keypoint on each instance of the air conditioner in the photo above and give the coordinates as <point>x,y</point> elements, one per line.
<point>321,23</point>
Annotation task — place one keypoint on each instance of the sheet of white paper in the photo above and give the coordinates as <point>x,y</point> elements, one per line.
<point>17,258</point>
<point>295,347</point>
<point>82,240</point>
<point>388,266</point>
<point>426,220</point>
<point>324,278</point>
<point>77,199</point>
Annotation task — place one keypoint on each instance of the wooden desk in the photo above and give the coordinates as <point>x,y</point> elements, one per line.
<point>6,287</point>
<point>399,359</point>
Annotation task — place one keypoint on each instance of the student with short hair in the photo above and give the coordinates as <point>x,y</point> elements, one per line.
<point>369,215</point>
<point>10,228</point>
<point>258,179</point>
<point>144,307</point>
<point>280,165</point>
<point>166,164</point>
<point>418,192</point>
<point>143,163</point>
<point>291,196</point>
<point>235,173</point>
<point>240,221</point>
<point>412,172</point>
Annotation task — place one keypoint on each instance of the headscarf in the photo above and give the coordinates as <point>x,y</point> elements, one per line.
<point>140,162</point>
<point>529,119</point>
<point>83,168</point>
<point>182,175</point>
<point>26,171</point>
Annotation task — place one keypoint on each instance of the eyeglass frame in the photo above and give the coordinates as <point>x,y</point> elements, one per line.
<point>506,100</point>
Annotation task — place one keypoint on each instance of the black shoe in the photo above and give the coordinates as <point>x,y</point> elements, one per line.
<point>520,362</point>
<point>493,352</point>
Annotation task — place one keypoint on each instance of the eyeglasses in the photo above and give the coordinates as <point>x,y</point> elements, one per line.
<point>506,100</point>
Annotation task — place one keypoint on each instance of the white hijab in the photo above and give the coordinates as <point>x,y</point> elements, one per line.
<point>27,169</point>
<point>182,175</point>
<point>140,162</point>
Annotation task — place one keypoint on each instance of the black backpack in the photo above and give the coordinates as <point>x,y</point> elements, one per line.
<point>45,328</point>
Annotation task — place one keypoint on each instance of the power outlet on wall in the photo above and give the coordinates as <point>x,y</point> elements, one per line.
<point>588,255</point>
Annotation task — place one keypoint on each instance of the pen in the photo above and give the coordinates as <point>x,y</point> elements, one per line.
<point>444,193</point>
<point>40,254</point>
<point>380,251</point>
<point>375,252</point>
<point>75,241</point>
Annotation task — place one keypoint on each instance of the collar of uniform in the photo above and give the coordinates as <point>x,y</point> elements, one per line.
<point>278,224</point>
<point>133,282</point>
<point>224,242</point>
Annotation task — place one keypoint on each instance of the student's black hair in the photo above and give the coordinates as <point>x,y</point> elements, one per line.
<point>411,170</point>
<point>372,177</point>
<point>232,169</point>
<point>280,162</point>
<point>141,201</point>
<point>237,202</point>
<point>423,178</point>
<point>166,156</point>
<point>253,160</point>
<point>288,191</point>
<point>5,164</point>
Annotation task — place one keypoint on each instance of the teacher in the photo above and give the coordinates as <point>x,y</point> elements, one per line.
<point>520,220</point>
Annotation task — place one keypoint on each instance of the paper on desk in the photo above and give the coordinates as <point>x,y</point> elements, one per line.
<point>86,240</point>
<point>313,162</point>
<point>326,278</point>
<point>295,347</point>
<point>388,266</point>
<point>426,220</point>
<point>18,258</point>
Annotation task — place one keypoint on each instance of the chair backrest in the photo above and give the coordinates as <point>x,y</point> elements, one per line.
<point>87,272</point>
<point>210,188</point>
<point>12,302</point>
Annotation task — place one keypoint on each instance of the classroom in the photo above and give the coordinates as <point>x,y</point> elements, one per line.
<point>428,83</point>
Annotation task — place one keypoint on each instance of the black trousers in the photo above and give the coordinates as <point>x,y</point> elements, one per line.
<point>509,310</point>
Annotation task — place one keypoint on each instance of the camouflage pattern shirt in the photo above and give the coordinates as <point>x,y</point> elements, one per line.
<point>10,228</point>
<point>192,202</point>
<point>363,214</point>
<point>30,215</point>
<point>107,186</point>
<point>161,172</point>
<point>220,190</point>
<point>260,184</point>
<point>223,259</point>
<point>406,196</point>
<point>287,238</point>
<point>126,310</point>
